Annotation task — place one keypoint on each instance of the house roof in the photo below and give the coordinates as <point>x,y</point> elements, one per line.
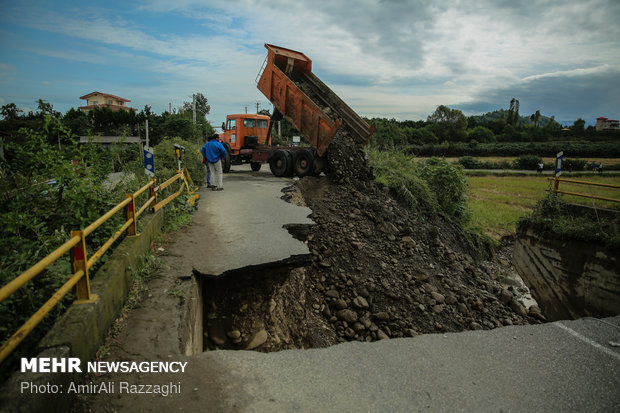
<point>106,95</point>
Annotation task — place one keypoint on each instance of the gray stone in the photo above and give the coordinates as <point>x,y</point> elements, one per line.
<point>462,308</point>
<point>347,315</point>
<point>234,334</point>
<point>360,302</point>
<point>383,316</point>
<point>438,297</point>
<point>381,335</point>
<point>450,299</point>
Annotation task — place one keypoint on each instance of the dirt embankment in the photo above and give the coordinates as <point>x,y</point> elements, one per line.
<point>379,270</point>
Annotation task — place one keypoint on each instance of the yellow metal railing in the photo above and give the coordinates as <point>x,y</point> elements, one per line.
<point>80,263</point>
<point>556,188</point>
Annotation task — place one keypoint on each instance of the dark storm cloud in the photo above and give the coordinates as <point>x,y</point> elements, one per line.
<point>565,96</point>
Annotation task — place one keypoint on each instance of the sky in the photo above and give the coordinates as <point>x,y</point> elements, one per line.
<point>386,58</point>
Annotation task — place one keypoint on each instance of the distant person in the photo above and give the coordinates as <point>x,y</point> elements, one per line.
<point>204,161</point>
<point>540,167</point>
<point>214,152</point>
<point>594,167</point>
<point>600,168</point>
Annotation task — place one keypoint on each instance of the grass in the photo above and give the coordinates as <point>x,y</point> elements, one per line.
<point>497,159</point>
<point>497,202</point>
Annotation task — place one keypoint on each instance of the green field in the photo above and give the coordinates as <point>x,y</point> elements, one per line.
<point>497,202</point>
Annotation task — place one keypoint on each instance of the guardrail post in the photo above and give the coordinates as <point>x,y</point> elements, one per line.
<point>79,262</point>
<point>131,214</point>
<point>556,184</point>
<point>153,194</point>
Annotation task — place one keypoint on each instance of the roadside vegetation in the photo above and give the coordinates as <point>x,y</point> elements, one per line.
<point>52,184</point>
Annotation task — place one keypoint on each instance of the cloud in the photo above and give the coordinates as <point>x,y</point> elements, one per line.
<point>392,58</point>
<point>567,95</point>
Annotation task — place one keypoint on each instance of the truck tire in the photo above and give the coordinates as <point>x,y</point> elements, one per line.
<point>226,160</point>
<point>255,166</point>
<point>281,163</point>
<point>304,163</point>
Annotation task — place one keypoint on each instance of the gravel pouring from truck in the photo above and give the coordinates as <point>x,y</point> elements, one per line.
<point>312,107</point>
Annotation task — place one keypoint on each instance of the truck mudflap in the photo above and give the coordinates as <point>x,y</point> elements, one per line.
<point>312,107</point>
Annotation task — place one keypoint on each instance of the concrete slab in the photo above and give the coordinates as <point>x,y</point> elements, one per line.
<point>246,222</point>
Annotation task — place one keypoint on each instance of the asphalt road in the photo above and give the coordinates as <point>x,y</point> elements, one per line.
<point>568,366</point>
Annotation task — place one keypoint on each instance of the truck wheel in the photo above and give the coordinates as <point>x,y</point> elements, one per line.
<point>255,166</point>
<point>304,163</point>
<point>281,163</point>
<point>226,160</point>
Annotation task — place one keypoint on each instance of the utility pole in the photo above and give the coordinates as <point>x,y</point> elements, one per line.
<point>169,107</point>
<point>194,107</point>
<point>257,103</point>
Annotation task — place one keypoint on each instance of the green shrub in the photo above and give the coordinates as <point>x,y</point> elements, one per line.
<point>431,186</point>
<point>527,162</point>
<point>449,185</point>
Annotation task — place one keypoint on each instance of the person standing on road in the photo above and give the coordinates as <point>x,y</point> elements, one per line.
<point>204,161</point>
<point>214,152</point>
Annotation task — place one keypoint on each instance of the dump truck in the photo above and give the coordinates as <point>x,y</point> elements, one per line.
<point>286,79</point>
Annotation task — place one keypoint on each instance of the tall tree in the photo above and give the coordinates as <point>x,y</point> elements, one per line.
<point>535,118</point>
<point>513,113</point>
<point>202,106</point>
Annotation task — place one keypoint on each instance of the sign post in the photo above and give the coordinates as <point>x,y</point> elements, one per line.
<point>559,160</point>
<point>149,164</point>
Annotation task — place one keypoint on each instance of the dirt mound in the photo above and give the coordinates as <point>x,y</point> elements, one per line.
<point>378,270</point>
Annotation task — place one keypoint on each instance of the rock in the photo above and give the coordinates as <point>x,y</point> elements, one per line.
<point>437,309</point>
<point>517,307</point>
<point>340,304</point>
<point>234,334</point>
<point>505,296</point>
<point>381,335</point>
<point>382,316</point>
<point>347,315</point>
<point>360,302</point>
<point>325,264</point>
<point>451,299</point>
<point>357,327</point>
<point>462,308</point>
<point>217,335</point>
<point>475,326</point>
<point>332,293</point>
<point>439,298</point>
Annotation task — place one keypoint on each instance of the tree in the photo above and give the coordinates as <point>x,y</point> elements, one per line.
<point>449,124</point>
<point>202,106</point>
<point>10,111</point>
<point>46,108</point>
<point>513,113</point>
<point>579,125</point>
<point>535,118</point>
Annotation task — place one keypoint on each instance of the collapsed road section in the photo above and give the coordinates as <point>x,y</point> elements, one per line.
<point>377,269</point>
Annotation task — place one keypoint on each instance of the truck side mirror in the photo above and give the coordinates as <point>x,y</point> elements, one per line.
<point>223,125</point>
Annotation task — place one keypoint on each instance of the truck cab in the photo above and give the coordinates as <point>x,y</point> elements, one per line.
<point>244,132</point>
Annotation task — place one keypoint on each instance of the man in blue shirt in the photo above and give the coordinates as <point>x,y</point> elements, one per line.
<point>214,152</point>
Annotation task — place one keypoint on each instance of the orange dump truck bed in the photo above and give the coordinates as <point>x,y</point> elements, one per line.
<point>312,107</point>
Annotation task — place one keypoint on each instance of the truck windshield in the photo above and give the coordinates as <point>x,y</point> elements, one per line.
<point>262,123</point>
<point>249,123</point>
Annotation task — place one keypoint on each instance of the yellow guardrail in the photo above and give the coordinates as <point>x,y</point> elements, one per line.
<point>80,263</point>
<point>556,188</point>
